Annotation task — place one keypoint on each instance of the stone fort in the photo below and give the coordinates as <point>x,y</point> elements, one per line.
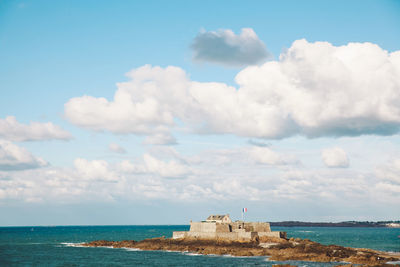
<point>221,227</point>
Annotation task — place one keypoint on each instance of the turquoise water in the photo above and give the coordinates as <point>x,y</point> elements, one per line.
<point>385,239</point>
<point>55,246</point>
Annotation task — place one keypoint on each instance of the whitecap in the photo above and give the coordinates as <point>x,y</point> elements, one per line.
<point>232,256</point>
<point>192,254</point>
<point>132,249</point>
<point>393,262</point>
<point>67,244</point>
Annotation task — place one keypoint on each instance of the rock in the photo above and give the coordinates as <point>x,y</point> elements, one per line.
<point>280,250</point>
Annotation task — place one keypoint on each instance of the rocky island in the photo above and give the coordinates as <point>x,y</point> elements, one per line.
<point>218,235</point>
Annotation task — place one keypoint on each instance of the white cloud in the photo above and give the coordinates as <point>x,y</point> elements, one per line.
<point>152,191</point>
<point>256,142</point>
<point>55,185</point>
<point>160,139</point>
<point>236,189</point>
<point>144,179</point>
<point>335,157</point>
<point>13,157</point>
<point>265,155</point>
<point>141,106</point>
<point>388,188</point>
<point>227,48</point>
<point>126,166</point>
<point>389,172</point>
<point>170,169</point>
<point>12,130</point>
<point>318,89</point>
<point>326,185</point>
<point>113,147</point>
<point>315,89</point>
<point>94,170</point>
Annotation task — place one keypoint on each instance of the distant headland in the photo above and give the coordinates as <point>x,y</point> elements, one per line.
<point>390,224</point>
<point>219,235</point>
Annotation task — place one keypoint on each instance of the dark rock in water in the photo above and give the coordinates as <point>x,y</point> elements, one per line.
<point>278,249</point>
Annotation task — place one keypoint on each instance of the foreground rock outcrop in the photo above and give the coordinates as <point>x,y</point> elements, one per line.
<point>278,249</point>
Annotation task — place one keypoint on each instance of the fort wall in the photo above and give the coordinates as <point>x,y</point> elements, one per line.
<point>231,236</point>
<point>233,231</point>
<point>205,227</point>
<point>272,234</point>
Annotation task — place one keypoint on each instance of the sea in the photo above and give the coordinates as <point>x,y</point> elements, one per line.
<point>59,245</point>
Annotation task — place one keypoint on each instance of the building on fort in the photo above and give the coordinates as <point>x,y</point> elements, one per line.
<point>222,227</point>
<point>219,218</point>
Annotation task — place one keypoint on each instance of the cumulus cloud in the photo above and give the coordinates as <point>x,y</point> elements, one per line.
<point>389,172</point>
<point>170,169</point>
<point>227,48</point>
<point>388,187</point>
<point>136,107</point>
<point>13,157</point>
<point>113,147</point>
<point>12,130</point>
<point>144,179</point>
<point>126,166</point>
<point>265,155</point>
<point>315,89</point>
<point>160,139</point>
<point>94,170</point>
<point>244,157</point>
<point>236,189</point>
<point>335,157</point>
<point>55,185</point>
<point>258,143</point>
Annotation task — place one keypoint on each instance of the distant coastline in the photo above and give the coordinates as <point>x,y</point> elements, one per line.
<point>387,224</point>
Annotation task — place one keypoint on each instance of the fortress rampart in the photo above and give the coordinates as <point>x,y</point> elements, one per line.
<point>221,227</point>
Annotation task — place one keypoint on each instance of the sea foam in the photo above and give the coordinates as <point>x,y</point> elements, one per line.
<point>67,244</point>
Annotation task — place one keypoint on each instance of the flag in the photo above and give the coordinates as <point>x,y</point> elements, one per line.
<point>244,209</point>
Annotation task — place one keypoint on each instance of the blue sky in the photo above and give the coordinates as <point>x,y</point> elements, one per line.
<point>218,128</point>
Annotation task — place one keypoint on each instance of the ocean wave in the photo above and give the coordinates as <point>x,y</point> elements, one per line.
<point>80,245</point>
<point>199,254</point>
<point>192,254</point>
<point>132,249</point>
<point>68,244</point>
<point>393,262</point>
<point>214,255</point>
<point>305,231</point>
<point>232,256</point>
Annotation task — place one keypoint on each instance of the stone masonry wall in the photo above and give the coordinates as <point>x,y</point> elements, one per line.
<point>206,227</point>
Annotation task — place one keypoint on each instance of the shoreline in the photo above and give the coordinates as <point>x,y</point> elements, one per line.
<point>275,249</point>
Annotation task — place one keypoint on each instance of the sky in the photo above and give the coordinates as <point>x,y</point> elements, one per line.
<point>162,112</point>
